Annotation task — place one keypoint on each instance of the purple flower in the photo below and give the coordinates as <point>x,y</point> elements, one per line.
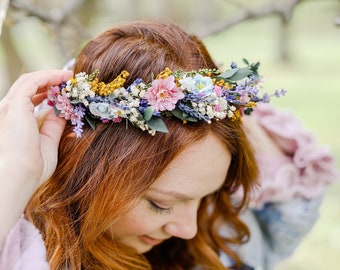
<point>78,129</point>
<point>79,111</point>
<point>77,120</point>
<point>279,93</point>
<point>266,98</point>
<point>233,65</point>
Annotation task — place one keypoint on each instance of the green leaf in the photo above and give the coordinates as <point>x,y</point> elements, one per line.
<point>148,113</point>
<point>75,101</point>
<point>93,75</point>
<point>157,124</point>
<point>56,111</point>
<point>254,68</point>
<point>241,74</point>
<point>248,111</point>
<point>229,73</point>
<point>245,61</point>
<point>182,115</point>
<point>90,121</point>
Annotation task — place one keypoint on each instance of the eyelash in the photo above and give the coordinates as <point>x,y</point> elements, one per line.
<point>158,209</point>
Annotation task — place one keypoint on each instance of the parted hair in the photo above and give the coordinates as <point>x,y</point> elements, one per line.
<point>99,176</point>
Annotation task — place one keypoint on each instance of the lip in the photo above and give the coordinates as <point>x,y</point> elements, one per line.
<point>150,241</point>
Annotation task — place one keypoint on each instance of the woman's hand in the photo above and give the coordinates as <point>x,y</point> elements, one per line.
<point>28,155</point>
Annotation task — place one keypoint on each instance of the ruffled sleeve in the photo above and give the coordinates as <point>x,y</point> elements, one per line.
<point>305,168</point>
<point>23,249</point>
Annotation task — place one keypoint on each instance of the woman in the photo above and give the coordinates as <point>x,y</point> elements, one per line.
<point>86,210</point>
<point>121,198</point>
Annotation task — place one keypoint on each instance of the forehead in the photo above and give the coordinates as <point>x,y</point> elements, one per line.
<point>199,170</point>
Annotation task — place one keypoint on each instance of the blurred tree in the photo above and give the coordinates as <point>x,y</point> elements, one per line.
<point>40,28</point>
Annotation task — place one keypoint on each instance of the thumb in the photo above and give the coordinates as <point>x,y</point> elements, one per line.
<point>52,128</point>
<point>50,134</point>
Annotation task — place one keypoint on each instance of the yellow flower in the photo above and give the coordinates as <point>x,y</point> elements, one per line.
<point>104,89</point>
<point>164,74</point>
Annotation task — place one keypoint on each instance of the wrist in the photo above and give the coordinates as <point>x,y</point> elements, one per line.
<point>17,186</point>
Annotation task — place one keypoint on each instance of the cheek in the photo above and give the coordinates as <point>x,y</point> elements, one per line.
<point>138,221</point>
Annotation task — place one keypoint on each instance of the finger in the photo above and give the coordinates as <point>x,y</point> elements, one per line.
<point>52,128</point>
<point>36,82</point>
<point>37,99</point>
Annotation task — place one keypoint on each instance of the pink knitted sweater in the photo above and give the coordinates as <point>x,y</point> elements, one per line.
<point>24,249</point>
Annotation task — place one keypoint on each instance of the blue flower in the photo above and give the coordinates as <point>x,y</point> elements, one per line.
<point>203,86</point>
<point>105,110</point>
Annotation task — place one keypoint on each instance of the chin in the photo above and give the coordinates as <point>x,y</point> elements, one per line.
<point>143,249</point>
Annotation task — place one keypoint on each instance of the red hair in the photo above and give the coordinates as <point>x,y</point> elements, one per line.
<point>101,175</point>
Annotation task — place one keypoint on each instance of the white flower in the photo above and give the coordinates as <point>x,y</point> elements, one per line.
<point>230,114</point>
<point>134,112</point>
<point>210,112</point>
<point>220,115</point>
<point>134,90</point>
<point>141,93</point>
<point>133,118</point>
<point>194,104</point>
<point>187,83</point>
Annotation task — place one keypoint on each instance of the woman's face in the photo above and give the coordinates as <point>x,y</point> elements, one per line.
<point>170,206</point>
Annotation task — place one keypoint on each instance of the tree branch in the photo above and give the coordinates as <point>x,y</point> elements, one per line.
<point>55,20</point>
<point>282,9</point>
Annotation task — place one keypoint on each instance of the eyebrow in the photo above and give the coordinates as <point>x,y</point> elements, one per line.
<point>174,194</point>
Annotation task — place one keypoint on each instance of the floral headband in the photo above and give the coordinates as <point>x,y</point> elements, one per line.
<point>193,96</point>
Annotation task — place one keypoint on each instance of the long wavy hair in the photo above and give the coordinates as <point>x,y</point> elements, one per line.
<point>99,176</point>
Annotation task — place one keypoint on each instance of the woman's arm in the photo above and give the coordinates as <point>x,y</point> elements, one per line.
<point>28,155</point>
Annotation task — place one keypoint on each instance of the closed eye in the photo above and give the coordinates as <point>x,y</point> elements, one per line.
<point>158,209</point>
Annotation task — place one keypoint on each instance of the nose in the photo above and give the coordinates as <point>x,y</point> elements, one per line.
<point>184,225</point>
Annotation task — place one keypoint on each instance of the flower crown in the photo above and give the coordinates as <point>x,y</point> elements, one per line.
<point>193,96</point>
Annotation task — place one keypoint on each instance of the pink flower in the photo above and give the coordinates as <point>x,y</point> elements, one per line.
<point>117,119</point>
<point>217,108</point>
<point>164,94</point>
<point>62,103</point>
<point>54,91</point>
<point>218,90</point>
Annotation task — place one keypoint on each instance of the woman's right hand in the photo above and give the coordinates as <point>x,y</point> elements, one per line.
<point>28,154</point>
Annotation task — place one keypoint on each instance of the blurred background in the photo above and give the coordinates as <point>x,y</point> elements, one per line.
<point>297,43</point>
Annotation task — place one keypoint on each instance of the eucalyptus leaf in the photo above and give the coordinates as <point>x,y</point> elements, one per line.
<point>241,74</point>
<point>245,61</point>
<point>75,101</point>
<point>157,124</point>
<point>56,111</point>
<point>254,68</point>
<point>90,121</point>
<point>182,115</point>
<point>229,73</point>
<point>148,113</point>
